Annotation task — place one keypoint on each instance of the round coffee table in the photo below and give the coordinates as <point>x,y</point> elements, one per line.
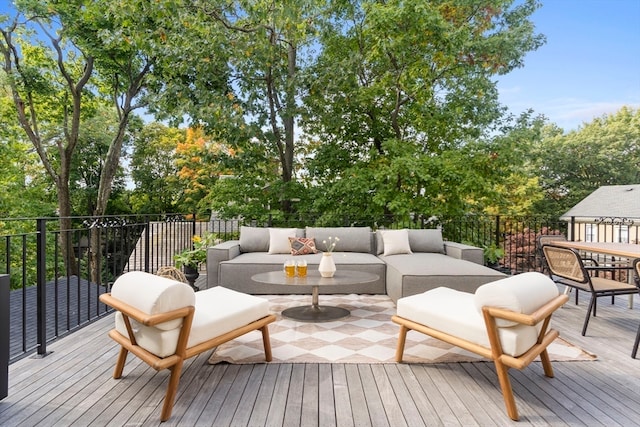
<point>316,312</point>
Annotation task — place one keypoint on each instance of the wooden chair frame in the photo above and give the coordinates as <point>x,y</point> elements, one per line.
<point>502,361</point>
<point>175,361</point>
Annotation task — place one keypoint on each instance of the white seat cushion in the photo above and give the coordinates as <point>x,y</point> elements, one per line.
<point>454,313</point>
<point>220,310</point>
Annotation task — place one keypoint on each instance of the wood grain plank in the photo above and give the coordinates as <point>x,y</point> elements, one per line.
<point>249,396</point>
<point>293,410</point>
<point>374,397</point>
<point>344,413</point>
<point>326,402</point>
<point>359,408</point>
<point>278,406</point>
<point>265,393</point>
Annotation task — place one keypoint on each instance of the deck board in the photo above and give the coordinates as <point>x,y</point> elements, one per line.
<point>73,386</point>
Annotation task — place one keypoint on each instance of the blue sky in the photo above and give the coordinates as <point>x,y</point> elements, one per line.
<point>590,65</point>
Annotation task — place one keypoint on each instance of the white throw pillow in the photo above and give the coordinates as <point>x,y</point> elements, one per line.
<point>279,240</point>
<point>396,242</point>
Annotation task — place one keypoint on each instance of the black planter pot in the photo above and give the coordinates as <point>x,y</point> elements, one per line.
<point>191,273</point>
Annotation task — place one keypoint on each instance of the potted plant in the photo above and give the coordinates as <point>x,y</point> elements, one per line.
<point>492,254</point>
<point>190,259</point>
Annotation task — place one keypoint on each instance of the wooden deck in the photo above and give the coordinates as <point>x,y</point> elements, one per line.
<point>73,387</point>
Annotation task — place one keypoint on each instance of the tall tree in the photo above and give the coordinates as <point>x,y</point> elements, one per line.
<point>50,52</point>
<point>399,90</point>
<point>154,170</point>
<point>272,42</point>
<point>605,151</point>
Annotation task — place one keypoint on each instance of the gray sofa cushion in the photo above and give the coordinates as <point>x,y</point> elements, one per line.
<point>256,239</point>
<point>420,272</point>
<point>427,240</point>
<point>352,239</point>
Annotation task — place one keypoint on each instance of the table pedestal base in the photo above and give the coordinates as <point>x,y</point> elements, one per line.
<point>315,312</point>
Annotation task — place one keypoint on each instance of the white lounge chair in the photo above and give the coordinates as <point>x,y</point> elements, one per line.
<point>506,321</point>
<point>164,322</point>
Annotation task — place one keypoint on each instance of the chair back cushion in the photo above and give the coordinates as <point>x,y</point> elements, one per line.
<point>522,293</point>
<point>153,294</point>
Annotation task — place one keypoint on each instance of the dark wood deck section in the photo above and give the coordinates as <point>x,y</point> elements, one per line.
<point>73,387</point>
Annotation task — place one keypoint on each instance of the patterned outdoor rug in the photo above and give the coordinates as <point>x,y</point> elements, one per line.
<point>367,336</point>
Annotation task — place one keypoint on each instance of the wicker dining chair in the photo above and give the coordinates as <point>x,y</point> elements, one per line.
<point>567,268</point>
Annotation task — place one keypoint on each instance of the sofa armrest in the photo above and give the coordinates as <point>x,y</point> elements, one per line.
<point>464,252</point>
<point>224,251</point>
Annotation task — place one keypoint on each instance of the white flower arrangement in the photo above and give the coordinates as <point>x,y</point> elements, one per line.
<point>332,243</point>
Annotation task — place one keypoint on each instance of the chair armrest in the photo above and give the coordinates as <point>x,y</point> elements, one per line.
<point>224,251</point>
<point>464,252</point>
<point>528,319</point>
<point>142,317</point>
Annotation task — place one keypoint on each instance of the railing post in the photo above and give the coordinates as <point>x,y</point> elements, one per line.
<point>147,247</point>
<point>497,231</point>
<point>41,283</point>
<point>573,229</point>
<point>4,335</point>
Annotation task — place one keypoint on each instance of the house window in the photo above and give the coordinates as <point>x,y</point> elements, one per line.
<point>590,232</point>
<point>621,233</point>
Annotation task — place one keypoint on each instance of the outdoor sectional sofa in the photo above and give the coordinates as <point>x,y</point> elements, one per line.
<point>407,262</point>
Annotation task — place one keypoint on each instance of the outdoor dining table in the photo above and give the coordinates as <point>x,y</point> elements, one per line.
<point>624,250</point>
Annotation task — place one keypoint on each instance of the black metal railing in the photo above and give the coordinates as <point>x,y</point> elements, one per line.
<point>51,297</point>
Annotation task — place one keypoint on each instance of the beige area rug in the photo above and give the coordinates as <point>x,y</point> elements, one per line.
<point>367,336</point>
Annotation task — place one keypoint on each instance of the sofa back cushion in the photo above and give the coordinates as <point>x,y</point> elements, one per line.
<point>427,240</point>
<point>254,239</point>
<point>257,239</point>
<point>522,293</point>
<point>395,241</point>
<point>352,239</point>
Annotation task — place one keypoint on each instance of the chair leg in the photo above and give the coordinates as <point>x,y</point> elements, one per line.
<point>402,338</point>
<point>635,345</point>
<point>172,389</point>
<point>546,364</point>
<point>266,343</point>
<point>507,391</point>
<point>586,319</point>
<point>122,358</point>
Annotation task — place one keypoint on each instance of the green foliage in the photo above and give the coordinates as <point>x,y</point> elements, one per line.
<point>602,152</point>
<point>154,170</point>
<point>492,254</point>
<point>403,89</point>
<point>196,255</point>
